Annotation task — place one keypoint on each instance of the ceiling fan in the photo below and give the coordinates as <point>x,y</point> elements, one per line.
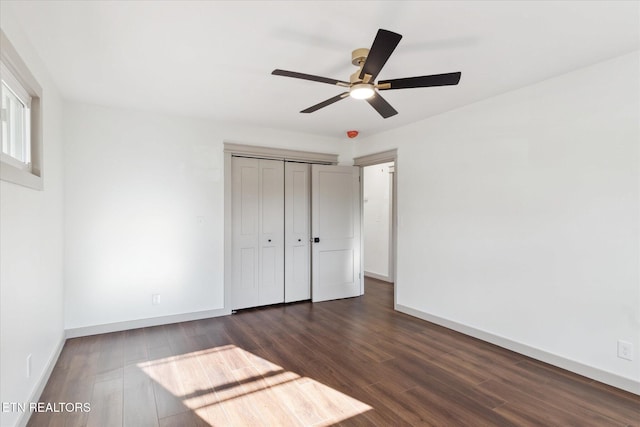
<point>361,84</point>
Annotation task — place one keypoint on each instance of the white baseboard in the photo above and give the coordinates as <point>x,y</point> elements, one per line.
<point>143,323</point>
<point>42,382</point>
<point>535,353</point>
<point>378,276</point>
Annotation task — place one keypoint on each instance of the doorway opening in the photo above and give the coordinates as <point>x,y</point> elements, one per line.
<point>379,214</point>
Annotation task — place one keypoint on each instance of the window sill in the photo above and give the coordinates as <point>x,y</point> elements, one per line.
<point>19,176</point>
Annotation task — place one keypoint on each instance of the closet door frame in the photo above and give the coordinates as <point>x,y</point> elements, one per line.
<point>241,150</point>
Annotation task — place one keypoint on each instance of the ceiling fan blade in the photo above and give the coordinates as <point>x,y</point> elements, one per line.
<point>313,78</point>
<point>325,103</point>
<point>382,106</point>
<point>381,49</point>
<point>447,79</point>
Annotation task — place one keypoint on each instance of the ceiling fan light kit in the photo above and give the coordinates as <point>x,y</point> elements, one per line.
<point>362,84</point>
<point>361,91</point>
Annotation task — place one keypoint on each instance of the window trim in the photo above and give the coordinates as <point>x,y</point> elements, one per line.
<point>15,86</point>
<point>32,175</point>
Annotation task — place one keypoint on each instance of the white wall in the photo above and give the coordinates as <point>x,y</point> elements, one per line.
<point>31,243</point>
<point>518,217</point>
<point>144,211</point>
<point>377,220</point>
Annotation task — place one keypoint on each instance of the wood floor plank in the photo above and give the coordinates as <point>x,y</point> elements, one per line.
<point>573,387</point>
<point>300,361</point>
<point>521,409</point>
<point>167,388</point>
<point>111,352</point>
<point>139,403</point>
<point>430,376</point>
<point>332,405</point>
<point>300,404</point>
<point>459,368</point>
<point>156,336</point>
<point>444,405</point>
<point>351,362</point>
<point>387,401</point>
<point>199,395</point>
<point>74,383</point>
<point>227,389</point>
<point>257,391</point>
<point>185,419</point>
<point>81,374</point>
<point>240,335</point>
<point>404,342</point>
<point>208,407</point>
<point>134,346</point>
<point>106,404</point>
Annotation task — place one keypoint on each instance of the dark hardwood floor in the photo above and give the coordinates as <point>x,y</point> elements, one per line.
<point>346,362</point>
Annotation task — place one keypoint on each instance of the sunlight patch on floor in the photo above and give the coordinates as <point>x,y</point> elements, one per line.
<point>232,384</point>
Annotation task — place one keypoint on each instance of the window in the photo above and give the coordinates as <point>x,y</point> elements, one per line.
<point>16,122</point>
<point>21,155</point>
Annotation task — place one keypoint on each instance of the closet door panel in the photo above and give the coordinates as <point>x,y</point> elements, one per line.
<point>297,232</point>
<point>335,211</point>
<point>272,232</point>
<point>245,232</point>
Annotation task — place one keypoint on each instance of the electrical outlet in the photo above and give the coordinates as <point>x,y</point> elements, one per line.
<point>29,366</point>
<point>625,350</point>
<point>155,299</point>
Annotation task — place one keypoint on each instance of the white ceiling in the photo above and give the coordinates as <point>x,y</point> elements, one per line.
<point>214,59</point>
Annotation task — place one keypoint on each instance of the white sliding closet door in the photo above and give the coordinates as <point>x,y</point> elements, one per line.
<point>258,232</point>
<point>335,213</point>
<point>297,273</point>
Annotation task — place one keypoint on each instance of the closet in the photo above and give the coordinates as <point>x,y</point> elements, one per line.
<point>274,205</point>
<point>271,232</point>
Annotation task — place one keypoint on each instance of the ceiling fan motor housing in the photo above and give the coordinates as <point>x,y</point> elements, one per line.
<point>358,56</point>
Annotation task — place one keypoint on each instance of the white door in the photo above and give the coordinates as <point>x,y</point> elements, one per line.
<point>297,230</point>
<point>335,230</point>
<point>258,232</point>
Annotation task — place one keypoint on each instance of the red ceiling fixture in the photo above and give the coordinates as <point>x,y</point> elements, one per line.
<point>352,133</point>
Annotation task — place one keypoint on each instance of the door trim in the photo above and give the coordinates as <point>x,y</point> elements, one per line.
<point>243,150</point>
<point>376,159</point>
<point>279,154</point>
